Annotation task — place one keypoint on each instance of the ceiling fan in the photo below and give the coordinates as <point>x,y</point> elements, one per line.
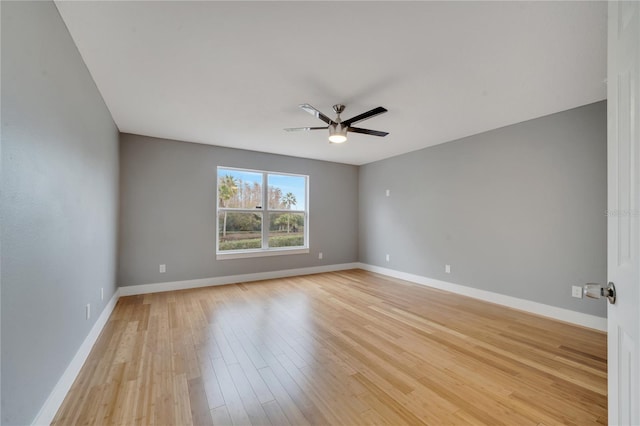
<point>337,128</point>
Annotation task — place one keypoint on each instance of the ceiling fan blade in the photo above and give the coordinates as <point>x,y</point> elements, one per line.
<point>311,110</point>
<point>367,131</point>
<point>301,129</point>
<point>364,116</point>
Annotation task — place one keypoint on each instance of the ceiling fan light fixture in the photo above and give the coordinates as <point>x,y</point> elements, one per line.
<point>337,138</point>
<point>337,134</point>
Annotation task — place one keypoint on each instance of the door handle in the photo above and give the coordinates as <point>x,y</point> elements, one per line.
<point>596,291</point>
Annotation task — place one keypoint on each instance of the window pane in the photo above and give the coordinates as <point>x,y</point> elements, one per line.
<point>287,192</point>
<point>286,229</point>
<point>239,189</point>
<point>239,231</point>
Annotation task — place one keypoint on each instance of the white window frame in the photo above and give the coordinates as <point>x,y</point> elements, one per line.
<point>264,211</point>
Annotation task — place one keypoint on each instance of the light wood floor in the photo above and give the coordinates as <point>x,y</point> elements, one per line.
<point>342,348</point>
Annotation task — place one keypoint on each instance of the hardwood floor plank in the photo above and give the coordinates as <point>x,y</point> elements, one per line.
<point>220,416</point>
<point>200,412</point>
<point>251,404</point>
<point>297,394</point>
<point>348,347</point>
<point>231,396</point>
<point>249,370</point>
<point>383,398</point>
<point>275,413</point>
<point>287,405</point>
<point>210,381</point>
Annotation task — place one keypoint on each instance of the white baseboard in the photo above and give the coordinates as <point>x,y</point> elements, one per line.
<point>561,314</point>
<point>231,279</point>
<point>59,392</point>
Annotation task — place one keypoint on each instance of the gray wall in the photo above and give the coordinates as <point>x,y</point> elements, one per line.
<point>168,210</point>
<point>518,211</point>
<point>59,204</point>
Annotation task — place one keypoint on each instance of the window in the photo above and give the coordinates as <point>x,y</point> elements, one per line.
<point>261,213</point>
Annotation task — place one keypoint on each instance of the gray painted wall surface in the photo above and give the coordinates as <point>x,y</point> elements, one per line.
<point>517,211</point>
<point>59,204</point>
<point>168,210</point>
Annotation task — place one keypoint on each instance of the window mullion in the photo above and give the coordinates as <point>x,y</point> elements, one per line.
<point>286,211</point>
<point>265,211</point>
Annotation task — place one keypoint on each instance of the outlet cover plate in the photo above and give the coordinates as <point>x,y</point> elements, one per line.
<point>576,291</point>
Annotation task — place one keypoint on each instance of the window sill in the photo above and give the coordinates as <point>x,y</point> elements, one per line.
<point>260,253</point>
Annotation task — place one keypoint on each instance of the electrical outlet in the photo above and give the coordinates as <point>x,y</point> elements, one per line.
<point>447,269</point>
<point>576,291</point>
<point>163,268</point>
<point>102,293</point>
<point>320,255</point>
<point>388,192</point>
<point>388,258</point>
<point>88,310</point>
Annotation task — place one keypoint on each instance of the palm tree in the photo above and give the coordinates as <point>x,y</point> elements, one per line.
<point>289,200</point>
<point>227,189</point>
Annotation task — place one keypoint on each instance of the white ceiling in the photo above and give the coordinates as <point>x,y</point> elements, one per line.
<point>233,73</point>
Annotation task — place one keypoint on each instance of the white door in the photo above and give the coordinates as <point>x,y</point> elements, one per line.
<point>623,106</point>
